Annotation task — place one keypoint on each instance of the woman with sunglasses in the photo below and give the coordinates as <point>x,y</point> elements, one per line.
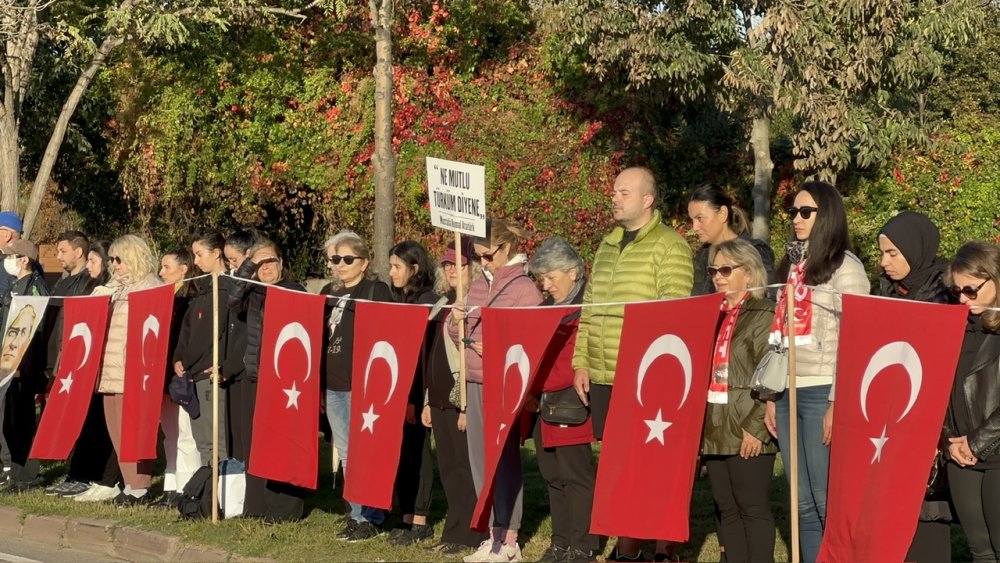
<point>273,501</point>
<point>347,258</point>
<point>443,414</point>
<point>911,269</point>
<point>133,266</point>
<point>716,219</point>
<point>971,436</point>
<point>736,447</point>
<point>504,284</point>
<point>820,266</point>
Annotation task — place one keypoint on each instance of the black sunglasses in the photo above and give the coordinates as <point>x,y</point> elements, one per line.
<point>968,291</point>
<point>805,211</point>
<point>488,256</point>
<point>336,258</point>
<point>726,271</point>
<point>115,259</point>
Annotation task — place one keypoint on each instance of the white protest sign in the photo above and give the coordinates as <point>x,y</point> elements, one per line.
<point>457,194</point>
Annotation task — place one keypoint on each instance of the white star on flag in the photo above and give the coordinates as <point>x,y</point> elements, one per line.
<point>879,443</point>
<point>67,383</point>
<point>293,396</point>
<point>369,419</point>
<point>656,427</point>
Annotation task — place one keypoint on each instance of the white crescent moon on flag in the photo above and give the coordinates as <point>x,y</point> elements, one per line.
<point>666,345</point>
<point>152,324</point>
<point>891,354</point>
<point>81,330</point>
<point>384,350</point>
<point>293,331</point>
<point>517,356</point>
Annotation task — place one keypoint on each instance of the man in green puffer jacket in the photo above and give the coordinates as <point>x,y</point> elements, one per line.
<point>640,260</point>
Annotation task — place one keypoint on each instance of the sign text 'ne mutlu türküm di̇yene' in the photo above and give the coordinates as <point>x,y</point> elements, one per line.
<point>457,194</point>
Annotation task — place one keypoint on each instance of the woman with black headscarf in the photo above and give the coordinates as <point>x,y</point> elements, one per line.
<point>911,269</point>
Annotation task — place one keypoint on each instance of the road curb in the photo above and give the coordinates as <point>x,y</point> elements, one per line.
<point>108,538</point>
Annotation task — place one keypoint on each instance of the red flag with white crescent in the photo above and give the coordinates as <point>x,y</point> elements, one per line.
<point>147,340</point>
<point>514,343</point>
<point>653,432</point>
<point>285,420</point>
<point>85,323</point>
<point>895,367</point>
<point>387,341</point>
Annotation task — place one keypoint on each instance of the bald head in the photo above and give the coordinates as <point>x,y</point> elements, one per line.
<point>634,197</point>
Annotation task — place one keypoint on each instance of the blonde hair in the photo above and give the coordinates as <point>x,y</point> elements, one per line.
<point>135,254</point>
<point>441,285</point>
<point>501,232</point>
<point>744,254</point>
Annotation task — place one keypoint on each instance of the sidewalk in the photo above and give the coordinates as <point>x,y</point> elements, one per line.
<point>107,538</point>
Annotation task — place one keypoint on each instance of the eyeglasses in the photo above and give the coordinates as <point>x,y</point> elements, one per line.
<point>336,258</point>
<point>805,211</point>
<point>115,259</point>
<point>968,291</point>
<point>448,266</point>
<point>488,256</point>
<point>725,271</point>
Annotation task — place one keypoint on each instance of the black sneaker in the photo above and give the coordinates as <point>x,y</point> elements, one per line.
<point>665,557</point>
<point>167,502</point>
<point>553,553</point>
<point>349,527</point>
<point>616,556</point>
<point>364,531</point>
<point>448,549</point>
<point>416,534</point>
<point>125,500</point>
<point>18,487</point>
<point>573,555</point>
<point>73,489</point>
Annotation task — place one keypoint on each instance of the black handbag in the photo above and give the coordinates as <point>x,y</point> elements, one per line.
<point>563,407</point>
<point>937,482</point>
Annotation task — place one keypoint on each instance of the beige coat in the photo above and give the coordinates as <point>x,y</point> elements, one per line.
<point>112,376</point>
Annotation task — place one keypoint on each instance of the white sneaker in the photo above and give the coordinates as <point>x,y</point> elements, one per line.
<point>97,493</point>
<point>507,554</point>
<point>484,553</point>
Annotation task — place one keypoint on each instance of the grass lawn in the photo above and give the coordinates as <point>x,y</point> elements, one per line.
<point>313,537</point>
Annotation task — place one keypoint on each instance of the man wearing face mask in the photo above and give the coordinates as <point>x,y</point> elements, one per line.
<point>10,230</point>
<point>20,257</point>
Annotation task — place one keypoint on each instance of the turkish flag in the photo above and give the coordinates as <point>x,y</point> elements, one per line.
<point>387,340</point>
<point>653,432</point>
<point>284,446</point>
<point>85,323</point>
<point>514,343</point>
<point>895,368</point>
<point>148,339</point>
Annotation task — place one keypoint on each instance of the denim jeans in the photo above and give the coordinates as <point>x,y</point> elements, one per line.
<point>338,412</point>
<point>813,463</point>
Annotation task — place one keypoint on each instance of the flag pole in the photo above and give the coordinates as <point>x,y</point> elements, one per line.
<point>215,397</point>
<point>463,391</point>
<point>793,424</point>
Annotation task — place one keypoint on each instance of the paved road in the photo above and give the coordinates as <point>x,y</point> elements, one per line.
<point>16,550</point>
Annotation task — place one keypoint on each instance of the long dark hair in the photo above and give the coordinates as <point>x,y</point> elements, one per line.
<point>243,239</point>
<point>100,248</point>
<point>979,260</point>
<point>717,198</point>
<point>184,258</point>
<point>828,241</point>
<point>415,256</point>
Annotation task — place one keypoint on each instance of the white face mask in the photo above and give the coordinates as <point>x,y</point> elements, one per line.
<point>11,266</point>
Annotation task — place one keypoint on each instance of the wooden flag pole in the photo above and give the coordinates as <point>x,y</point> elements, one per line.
<point>793,423</point>
<point>215,398</point>
<point>461,323</point>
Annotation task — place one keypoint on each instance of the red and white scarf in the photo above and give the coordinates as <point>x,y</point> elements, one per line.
<point>718,385</point>
<point>802,297</point>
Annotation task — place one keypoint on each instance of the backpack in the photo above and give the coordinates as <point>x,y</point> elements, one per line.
<point>195,502</point>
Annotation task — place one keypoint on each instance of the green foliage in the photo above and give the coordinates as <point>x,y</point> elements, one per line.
<point>957,185</point>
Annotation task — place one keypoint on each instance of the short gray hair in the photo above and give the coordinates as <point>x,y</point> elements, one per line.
<point>352,239</point>
<point>556,254</point>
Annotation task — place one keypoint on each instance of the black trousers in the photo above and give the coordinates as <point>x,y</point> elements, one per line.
<point>456,478</point>
<point>741,488</point>
<point>976,495</point>
<point>240,409</point>
<point>415,472</point>
<point>19,426</point>
<point>931,543</point>
<point>93,449</point>
<point>570,475</point>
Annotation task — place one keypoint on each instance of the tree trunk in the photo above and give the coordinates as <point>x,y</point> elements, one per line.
<point>20,38</point>
<point>383,159</point>
<point>10,173</point>
<point>59,132</point>
<point>760,141</point>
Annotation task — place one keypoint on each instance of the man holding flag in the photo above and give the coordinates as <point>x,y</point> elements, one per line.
<point>641,259</point>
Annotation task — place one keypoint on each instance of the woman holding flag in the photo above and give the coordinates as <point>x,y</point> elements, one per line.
<point>737,449</point>
<point>971,434</point>
<point>819,265</point>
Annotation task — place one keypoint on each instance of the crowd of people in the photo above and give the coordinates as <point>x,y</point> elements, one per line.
<point>640,259</point>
